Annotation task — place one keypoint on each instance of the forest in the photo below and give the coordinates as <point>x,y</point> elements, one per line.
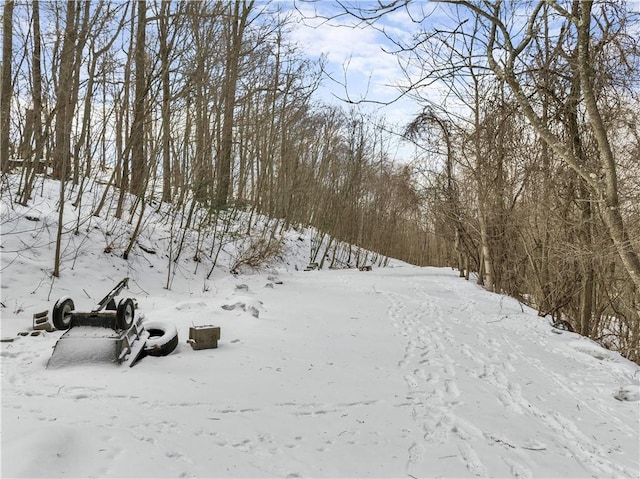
<point>526,172</point>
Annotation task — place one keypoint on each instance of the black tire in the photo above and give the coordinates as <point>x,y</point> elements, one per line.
<point>62,313</point>
<point>125,313</point>
<point>163,338</point>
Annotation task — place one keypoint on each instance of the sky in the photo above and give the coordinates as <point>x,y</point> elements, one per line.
<point>358,68</point>
<point>355,54</point>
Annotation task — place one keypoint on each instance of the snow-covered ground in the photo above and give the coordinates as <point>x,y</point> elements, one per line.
<point>395,372</point>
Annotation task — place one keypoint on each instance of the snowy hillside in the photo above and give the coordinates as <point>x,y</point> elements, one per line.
<point>395,372</point>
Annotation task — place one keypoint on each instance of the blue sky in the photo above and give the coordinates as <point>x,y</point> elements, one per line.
<point>354,51</point>
<point>356,59</point>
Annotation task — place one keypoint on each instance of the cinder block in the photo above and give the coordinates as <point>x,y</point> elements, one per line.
<point>204,337</point>
<point>41,322</point>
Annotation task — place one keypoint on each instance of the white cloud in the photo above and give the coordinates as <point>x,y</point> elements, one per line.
<point>355,56</point>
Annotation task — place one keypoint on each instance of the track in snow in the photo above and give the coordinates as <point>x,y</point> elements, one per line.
<point>391,373</point>
<point>455,347</point>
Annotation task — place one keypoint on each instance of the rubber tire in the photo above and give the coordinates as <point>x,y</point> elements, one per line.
<point>125,313</point>
<point>163,338</point>
<point>62,313</point>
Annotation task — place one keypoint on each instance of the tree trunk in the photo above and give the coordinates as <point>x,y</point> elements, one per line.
<point>138,160</point>
<point>64,114</point>
<point>489,281</point>
<point>81,41</point>
<point>37,154</point>
<point>64,101</point>
<point>6,91</point>
<point>238,22</point>
<point>166,104</point>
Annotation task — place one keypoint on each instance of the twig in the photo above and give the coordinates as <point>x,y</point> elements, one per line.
<point>500,441</point>
<point>53,278</point>
<point>141,289</point>
<point>497,320</point>
<point>534,448</point>
<point>43,278</point>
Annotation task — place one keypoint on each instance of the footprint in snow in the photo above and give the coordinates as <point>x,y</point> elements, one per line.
<point>189,306</point>
<point>250,309</point>
<point>518,470</point>
<point>411,381</point>
<point>472,461</point>
<point>628,393</point>
<point>416,453</point>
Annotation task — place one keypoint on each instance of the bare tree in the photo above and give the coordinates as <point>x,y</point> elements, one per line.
<point>7,89</point>
<point>603,181</point>
<point>238,15</point>
<point>64,116</point>
<point>167,40</point>
<point>139,173</point>
<point>36,156</point>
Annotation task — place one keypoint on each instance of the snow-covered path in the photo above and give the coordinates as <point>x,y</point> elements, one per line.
<point>500,395</point>
<point>398,372</point>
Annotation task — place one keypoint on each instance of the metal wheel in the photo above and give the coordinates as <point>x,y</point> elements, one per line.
<point>62,313</point>
<point>125,313</point>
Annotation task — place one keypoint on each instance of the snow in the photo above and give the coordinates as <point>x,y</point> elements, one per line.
<point>395,372</point>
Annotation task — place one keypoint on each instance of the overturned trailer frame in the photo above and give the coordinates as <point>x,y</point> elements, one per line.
<point>108,333</point>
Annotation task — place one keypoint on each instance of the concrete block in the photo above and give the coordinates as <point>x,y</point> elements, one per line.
<point>204,337</point>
